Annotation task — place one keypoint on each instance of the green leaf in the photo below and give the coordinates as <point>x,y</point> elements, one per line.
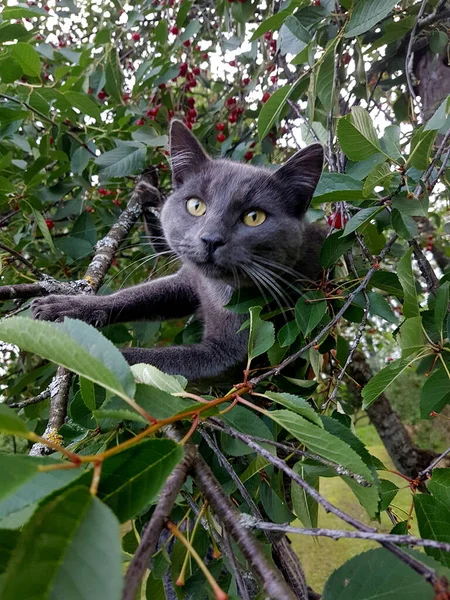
<point>293,37</point>
<point>8,541</point>
<point>42,225</point>
<point>84,104</point>
<point>75,345</point>
<point>366,14</point>
<point>411,336</point>
<point>10,423</point>
<point>122,161</point>
<point>378,305</point>
<point>159,403</point>
<point>288,333</point>
<point>59,551</point>
<point>435,393</point>
<point>80,160</point>
<point>22,11</point>
<point>262,334</point>
<point>357,135</point>
<point>305,507</point>
<point>12,32</point>
<point>248,422</point>
<point>383,379</point>
<point>88,393</point>
<point>441,118</point>
<point>310,310</point>
<point>441,307</point>
<point>23,483</point>
<point>333,248</point>
<point>132,479</point>
<point>321,442</point>
<point>325,76</point>
<point>408,283</point>
<point>296,404</point>
<point>434,524</point>
<point>27,58</point>
<point>404,225</point>
<point>365,215</point>
<point>439,485</point>
<point>114,76</point>
<point>377,575</point>
<point>271,110</point>
<point>421,145</point>
<point>388,491</point>
<point>150,375</point>
<point>376,177</point>
<point>391,139</point>
<point>333,187</point>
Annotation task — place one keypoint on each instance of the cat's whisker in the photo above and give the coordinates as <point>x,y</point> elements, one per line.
<point>274,290</point>
<point>280,278</point>
<point>258,285</point>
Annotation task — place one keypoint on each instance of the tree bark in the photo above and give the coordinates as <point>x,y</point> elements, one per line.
<point>406,456</point>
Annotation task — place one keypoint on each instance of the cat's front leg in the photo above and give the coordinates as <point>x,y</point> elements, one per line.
<point>209,358</point>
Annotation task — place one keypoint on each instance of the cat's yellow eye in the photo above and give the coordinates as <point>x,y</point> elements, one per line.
<point>196,207</point>
<point>253,218</point>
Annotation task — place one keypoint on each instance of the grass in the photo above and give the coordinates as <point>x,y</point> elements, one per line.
<point>320,557</point>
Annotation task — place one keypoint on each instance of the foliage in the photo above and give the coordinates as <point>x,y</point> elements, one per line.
<point>87,93</point>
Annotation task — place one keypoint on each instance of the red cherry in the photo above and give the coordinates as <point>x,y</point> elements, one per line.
<point>170,114</point>
<point>317,3</point>
<point>221,137</point>
<point>174,30</point>
<point>192,113</point>
<point>90,91</point>
<point>190,101</point>
<point>62,44</point>
<point>103,191</point>
<point>248,155</point>
<point>102,95</point>
<point>46,7</point>
<point>140,122</point>
<point>136,36</point>
<point>246,81</point>
<point>268,36</point>
<point>89,209</point>
<point>273,45</point>
<point>152,112</point>
<point>230,102</point>
<point>116,202</point>
<point>196,70</point>
<point>232,63</point>
<point>38,37</point>
<point>205,56</point>
<point>183,69</point>
<point>50,224</point>
<point>346,58</point>
<point>270,68</point>
<point>51,141</point>
<point>336,220</point>
<point>265,97</point>
<point>232,118</point>
<point>188,124</point>
<point>187,43</point>
<point>220,126</point>
<point>273,78</point>
<point>126,96</point>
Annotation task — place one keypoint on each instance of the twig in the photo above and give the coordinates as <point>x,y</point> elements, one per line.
<point>23,260</point>
<point>425,268</point>
<point>214,423</point>
<point>277,370</point>
<point>409,53</point>
<point>243,591</point>
<point>426,572</point>
<point>423,474</point>
<point>39,398</point>
<point>150,536</point>
<point>439,13</point>
<point>337,534</point>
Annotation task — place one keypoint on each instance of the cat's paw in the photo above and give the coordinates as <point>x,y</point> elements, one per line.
<point>55,308</point>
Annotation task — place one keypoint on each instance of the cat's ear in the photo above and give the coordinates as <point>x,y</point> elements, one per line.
<point>186,153</point>
<point>303,172</point>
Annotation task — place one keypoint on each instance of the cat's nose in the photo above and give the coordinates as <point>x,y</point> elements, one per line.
<point>212,241</point>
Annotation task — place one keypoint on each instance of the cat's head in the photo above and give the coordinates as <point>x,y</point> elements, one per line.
<point>226,218</point>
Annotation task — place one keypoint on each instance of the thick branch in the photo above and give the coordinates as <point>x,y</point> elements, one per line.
<point>106,248</point>
<point>152,531</point>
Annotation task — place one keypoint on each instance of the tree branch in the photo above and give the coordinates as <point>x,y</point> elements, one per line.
<point>39,398</point>
<point>150,536</point>
<point>423,474</point>
<point>426,572</point>
<point>336,534</point>
<point>22,259</point>
<point>143,193</point>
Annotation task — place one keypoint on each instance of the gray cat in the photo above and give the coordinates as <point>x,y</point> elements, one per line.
<point>232,226</point>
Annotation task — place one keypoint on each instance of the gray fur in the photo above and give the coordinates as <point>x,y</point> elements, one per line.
<point>218,253</point>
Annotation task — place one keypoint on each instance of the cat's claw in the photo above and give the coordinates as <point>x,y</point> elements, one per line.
<point>56,308</point>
